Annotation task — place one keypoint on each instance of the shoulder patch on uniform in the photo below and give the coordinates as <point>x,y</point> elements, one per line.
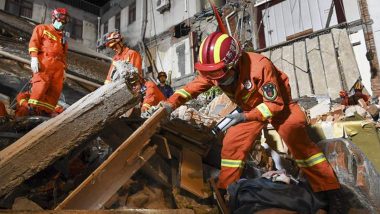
<point>269,91</point>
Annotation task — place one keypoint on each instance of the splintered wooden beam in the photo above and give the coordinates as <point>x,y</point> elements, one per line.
<point>58,136</point>
<point>104,182</point>
<point>192,173</point>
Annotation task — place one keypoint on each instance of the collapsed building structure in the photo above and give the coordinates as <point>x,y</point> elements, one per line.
<point>99,155</point>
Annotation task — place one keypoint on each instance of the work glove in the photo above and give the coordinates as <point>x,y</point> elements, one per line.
<point>235,119</point>
<point>34,64</point>
<point>148,113</point>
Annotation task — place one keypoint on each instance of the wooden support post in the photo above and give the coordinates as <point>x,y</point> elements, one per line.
<point>99,187</point>
<point>57,137</point>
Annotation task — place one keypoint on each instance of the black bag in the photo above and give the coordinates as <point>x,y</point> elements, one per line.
<point>251,195</point>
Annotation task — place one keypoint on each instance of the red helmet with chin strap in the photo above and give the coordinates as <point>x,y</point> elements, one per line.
<point>60,14</point>
<point>113,38</point>
<point>218,52</point>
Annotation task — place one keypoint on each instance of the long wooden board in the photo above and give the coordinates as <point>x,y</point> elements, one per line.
<point>316,66</point>
<point>192,173</point>
<point>288,68</point>
<point>57,137</point>
<point>346,56</point>
<point>302,73</point>
<point>330,64</point>
<point>130,156</point>
<point>276,58</point>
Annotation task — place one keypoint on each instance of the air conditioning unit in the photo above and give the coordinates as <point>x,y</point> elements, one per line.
<point>162,5</point>
<point>260,2</point>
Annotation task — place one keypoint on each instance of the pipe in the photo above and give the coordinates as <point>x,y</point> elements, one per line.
<point>70,76</point>
<point>228,23</point>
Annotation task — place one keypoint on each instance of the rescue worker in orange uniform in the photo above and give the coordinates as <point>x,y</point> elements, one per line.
<point>23,109</point>
<point>3,111</point>
<point>263,93</point>
<point>354,99</point>
<point>114,40</point>
<point>48,50</point>
<point>152,95</point>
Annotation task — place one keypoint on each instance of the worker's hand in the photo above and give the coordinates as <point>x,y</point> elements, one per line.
<point>34,64</point>
<point>343,94</point>
<point>235,119</point>
<point>166,106</point>
<point>148,113</point>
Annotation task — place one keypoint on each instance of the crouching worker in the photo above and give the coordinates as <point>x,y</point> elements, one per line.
<point>263,93</point>
<point>151,94</point>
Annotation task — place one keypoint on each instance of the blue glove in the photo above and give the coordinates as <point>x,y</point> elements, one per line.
<point>235,119</point>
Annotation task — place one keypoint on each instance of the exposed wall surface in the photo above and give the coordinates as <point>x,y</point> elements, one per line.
<point>2,4</point>
<point>39,13</point>
<point>374,11</point>
<point>89,34</point>
<point>111,24</point>
<point>179,11</point>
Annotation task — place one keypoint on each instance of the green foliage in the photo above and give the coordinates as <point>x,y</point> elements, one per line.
<point>213,92</point>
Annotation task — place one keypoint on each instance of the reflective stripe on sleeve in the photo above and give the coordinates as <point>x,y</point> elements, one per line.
<point>263,108</point>
<point>183,93</point>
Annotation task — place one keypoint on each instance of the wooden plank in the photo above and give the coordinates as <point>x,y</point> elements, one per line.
<point>288,68</point>
<point>330,65</point>
<point>162,146</point>
<point>302,73</point>
<point>99,187</point>
<point>346,56</point>
<point>192,173</point>
<point>123,211</point>
<point>158,170</point>
<point>57,137</point>
<point>276,58</point>
<point>316,66</point>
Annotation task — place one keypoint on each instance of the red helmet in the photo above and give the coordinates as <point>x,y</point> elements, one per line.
<point>218,53</point>
<point>112,38</point>
<point>60,14</point>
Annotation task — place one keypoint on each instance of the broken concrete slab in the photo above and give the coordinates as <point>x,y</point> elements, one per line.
<point>55,138</point>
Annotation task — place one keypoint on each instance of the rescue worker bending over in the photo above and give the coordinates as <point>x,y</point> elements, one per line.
<point>152,96</point>
<point>166,89</point>
<point>263,93</point>
<point>354,99</point>
<point>114,40</point>
<point>48,50</point>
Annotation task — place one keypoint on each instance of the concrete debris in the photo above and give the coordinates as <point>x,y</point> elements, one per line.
<point>22,203</point>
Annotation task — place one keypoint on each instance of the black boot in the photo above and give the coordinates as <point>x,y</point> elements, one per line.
<point>337,202</point>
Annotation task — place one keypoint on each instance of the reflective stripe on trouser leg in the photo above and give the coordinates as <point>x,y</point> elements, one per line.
<point>236,145</point>
<point>291,126</point>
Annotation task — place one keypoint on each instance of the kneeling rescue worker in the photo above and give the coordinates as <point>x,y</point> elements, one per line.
<point>263,93</point>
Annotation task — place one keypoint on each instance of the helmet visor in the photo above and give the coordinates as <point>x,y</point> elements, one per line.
<point>211,71</point>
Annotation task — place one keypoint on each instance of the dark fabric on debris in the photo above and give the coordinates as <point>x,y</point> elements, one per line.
<point>251,195</point>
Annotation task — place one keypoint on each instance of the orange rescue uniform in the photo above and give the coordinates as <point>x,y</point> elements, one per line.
<point>22,109</point>
<point>263,93</point>
<point>127,55</point>
<point>47,44</point>
<point>153,96</point>
<point>3,111</point>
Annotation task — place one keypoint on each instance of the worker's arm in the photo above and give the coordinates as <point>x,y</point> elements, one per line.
<point>190,91</point>
<point>110,71</point>
<point>151,97</point>
<point>136,60</point>
<point>35,41</point>
<point>272,99</point>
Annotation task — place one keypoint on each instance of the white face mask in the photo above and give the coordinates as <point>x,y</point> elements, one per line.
<point>58,25</point>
